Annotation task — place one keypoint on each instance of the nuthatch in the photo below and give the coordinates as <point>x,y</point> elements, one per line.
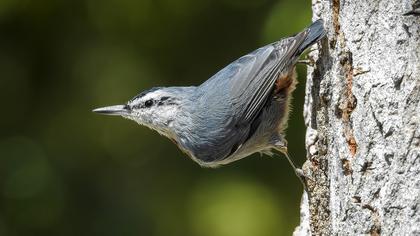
<point>240,110</point>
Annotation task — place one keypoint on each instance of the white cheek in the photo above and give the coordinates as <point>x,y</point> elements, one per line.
<point>168,113</point>
<point>158,118</point>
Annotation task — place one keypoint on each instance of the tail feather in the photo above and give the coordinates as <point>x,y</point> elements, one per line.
<point>315,32</point>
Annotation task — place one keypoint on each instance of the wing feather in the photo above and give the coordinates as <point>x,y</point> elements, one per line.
<point>253,89</point>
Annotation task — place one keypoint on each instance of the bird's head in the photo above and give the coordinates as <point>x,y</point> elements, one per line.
<point>156,108</point>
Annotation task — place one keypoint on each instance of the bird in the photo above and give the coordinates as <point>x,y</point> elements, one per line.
<point>241,110</point>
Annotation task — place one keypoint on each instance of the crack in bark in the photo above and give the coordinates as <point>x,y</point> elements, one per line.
<point>346,62</point>
<point>375,230</point>
<point>366,166</point>
<point>349,103</point>
<point>378,123</point>
<point>347,170</point>
<point>335,21</point>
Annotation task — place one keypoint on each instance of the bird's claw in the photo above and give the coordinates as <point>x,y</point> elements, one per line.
<point>307,62</point>
<point>303,178</point>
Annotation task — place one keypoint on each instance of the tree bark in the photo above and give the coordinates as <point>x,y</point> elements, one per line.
<point>362,112</point>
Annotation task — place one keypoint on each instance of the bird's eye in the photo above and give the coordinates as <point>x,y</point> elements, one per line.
<point>148,103</point>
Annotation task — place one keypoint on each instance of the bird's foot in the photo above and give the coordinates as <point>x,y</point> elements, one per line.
<point>303,178</point>
<point>307,62</point>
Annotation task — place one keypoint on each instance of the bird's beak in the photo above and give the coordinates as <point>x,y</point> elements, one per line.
<point>117,110</point>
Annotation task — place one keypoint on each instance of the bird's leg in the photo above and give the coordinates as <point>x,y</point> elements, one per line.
<point>311,50</point>
<point>307,60</point>
<point>299,172</point>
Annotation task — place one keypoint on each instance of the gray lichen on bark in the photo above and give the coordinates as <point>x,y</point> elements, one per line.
<point>362,112</point>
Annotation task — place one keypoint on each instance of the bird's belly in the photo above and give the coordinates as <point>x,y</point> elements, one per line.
<point>261,141</point>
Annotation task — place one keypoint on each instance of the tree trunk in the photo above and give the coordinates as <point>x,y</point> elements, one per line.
<point>362,112</point>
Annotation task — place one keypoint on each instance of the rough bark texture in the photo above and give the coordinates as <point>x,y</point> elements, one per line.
<point>362,113</point>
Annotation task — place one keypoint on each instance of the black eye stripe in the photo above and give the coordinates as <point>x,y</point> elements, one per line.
<point>167,101</point>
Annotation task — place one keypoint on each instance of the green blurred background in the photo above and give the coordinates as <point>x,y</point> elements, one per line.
<point>67,171</point>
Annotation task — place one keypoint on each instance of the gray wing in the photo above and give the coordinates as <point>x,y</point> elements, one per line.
<point>257,74</point>
<point>258,71</point>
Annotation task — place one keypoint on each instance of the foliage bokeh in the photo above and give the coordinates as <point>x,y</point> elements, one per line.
<point>67,171</point>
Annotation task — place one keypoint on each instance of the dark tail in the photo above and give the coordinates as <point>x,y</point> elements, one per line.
<point>315,32</point>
